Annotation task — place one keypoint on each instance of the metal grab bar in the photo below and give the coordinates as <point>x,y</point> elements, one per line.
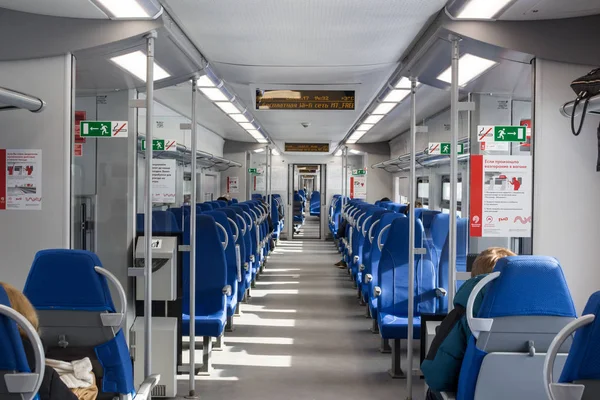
<point>17,100</point>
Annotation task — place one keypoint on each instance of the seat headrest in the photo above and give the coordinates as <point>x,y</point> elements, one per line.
<point>12,355</point>
<point>528,286</point>
<point>223,203</point>
<point>427,217</point>
<point>582,363</point>
<point>66,280</point>
<point>204,207</point>
<point>440,228</point>
<point>234,201</point>
<point>164,221</point>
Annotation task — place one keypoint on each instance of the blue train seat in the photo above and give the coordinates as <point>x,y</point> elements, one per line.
<point>69,290</point>
<point>164,222</point>
<point>234,201</point>
<point>246,224</point>
<point>298,209</point>
<point>201,207</point>
<point>222,203</point>
<point>180,214</point>
<point>212,289</point>
<point>365,266</point>
<point>275,217</point>
<point>14,368</point>
<point>238,224</point>
<point>250,216</point>
<point>380,235</point>
<point>256,196</point>
<point>315,203</point>
<point>359,243</point>
<point>227,235</point>
<point>580,376</point>
<point>527,302</point>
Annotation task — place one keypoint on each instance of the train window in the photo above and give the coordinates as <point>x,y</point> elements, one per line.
<point>423,191</point>
<point>446,193</point>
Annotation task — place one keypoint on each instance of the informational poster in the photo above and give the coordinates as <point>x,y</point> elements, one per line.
<point>21,179</point>
<point>501,195</point>
<point>358,187</point>
<point>233,184</point>
<point>259,182</point>
<point>78,149</point>
<point>79,116</point>
<point>164,185</point>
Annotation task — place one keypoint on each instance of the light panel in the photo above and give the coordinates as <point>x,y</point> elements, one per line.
<point>339,153</point>
<point>214,94</point>
<point>274,152</point>
<point>136,64</point>
<point>469,68</point>
<point>396,96</point>
<point>205,81</point>
<point>373,119</point>
<point>239,118</point>
<point>247,125</point>
<point>259,150</point>
<point>403,83</point>
<point>354,151</point>
<point>482,9</point>
<point>227,107</point>
<point>384,108</point>
<point>365,127</point>
<point>262,140</point>
<point>124,8</point>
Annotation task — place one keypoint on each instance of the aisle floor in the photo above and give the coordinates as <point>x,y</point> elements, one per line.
<point>302,336</point>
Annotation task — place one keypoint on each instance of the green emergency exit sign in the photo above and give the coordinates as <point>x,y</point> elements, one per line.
<point>104,129</point>
<point>444,148</point>
<point>157,144</point>
<point>252,171</point>
<point>510,134</point>
<point>359,172</point>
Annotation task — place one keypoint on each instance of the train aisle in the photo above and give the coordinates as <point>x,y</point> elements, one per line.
<point>302,336</point>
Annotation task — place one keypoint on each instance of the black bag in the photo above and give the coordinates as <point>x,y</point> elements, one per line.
<point>585,87</point>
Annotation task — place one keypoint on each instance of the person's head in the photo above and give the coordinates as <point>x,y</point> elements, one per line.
<point>486,261</point>
<point>418,204</point>
<point>21,304</point>
<point>222,198</point>
<point>385,199</point>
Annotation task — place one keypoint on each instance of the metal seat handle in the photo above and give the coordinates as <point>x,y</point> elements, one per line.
<point>226,242</point>
<point>237,230</point>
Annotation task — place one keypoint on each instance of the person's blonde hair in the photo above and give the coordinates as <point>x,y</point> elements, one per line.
<point>22,305</point>
<point>486,261</point>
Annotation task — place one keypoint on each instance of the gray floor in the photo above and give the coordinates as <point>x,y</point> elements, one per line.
<point>310,229</point>
<point>303,336</point>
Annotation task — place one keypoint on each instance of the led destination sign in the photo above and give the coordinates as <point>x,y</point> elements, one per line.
<point>305,99</point>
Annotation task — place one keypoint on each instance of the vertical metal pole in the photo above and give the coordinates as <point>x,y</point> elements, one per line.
<point>268,152</point>
<point>453,174</point>
<point>270,183</point>
<point>148,215</point>
<point>346,191</point>
<point>193,218</point>
<point>411,237</point>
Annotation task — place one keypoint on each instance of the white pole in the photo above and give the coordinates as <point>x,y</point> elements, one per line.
<point>193,219</point>
<point>453,174</point>
<point>411,238</point>
<point>148,215</point>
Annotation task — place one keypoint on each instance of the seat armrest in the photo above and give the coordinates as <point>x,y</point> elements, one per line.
<point>146,387</point>
<point>361,267</point>
<point>246,266</point>
<point>227,290</point>
<point>448,396</point>
<point>355,259</point>
<point>441,292</point>
<point>369,278</point>
<point>376,291</point>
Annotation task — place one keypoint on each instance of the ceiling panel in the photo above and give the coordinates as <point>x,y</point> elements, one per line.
<point>551,9</point>
<point>56,8</point>
<point>310,44</point>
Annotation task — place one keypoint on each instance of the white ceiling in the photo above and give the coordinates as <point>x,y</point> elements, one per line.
<point>342,44</point>
<point>56,8</point>
<point>551,9</point>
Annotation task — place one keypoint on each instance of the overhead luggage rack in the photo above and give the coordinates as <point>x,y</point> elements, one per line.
<point>13,100</point>
<point>593,107</point>
<point>423,159</point>
<point>184,154</point>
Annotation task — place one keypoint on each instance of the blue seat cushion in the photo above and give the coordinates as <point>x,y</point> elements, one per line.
<point>206,325</point>
<point>392,327</point>
<point>232,302</point>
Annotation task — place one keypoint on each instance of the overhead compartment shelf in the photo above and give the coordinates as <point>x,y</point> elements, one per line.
<point>592,108</point>
<point>13,100</point>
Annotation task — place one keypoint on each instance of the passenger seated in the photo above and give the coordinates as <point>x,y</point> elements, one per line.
<point>52,387</point>
<point>442,365</point>
<point>418,204</point>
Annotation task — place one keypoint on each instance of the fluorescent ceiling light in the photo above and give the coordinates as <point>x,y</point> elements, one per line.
<point>274,152</point>
<point>469,68</point>
<point>227,107</point>
<point>403,83</point>
<point>373,119</point>
<point>124,8</point>
<point>262,140</point>
<point>205,81</point>
<point>351,141</point>
<point>339,153</point>
<point>247,125</point>
<point>365,127</point>
<point>482,9</point>
<point>396,96</point>
<point>239,118</point>
<point>136,64</point>
<point>259,150</point>
<point>354,151</point>
<point>384,108</point>
<point>355,137</point>
<point>214,94</point>
<point>255,133</point>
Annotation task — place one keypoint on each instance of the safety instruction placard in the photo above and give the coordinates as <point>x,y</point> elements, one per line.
<point>491,133</point>
<point>501,195</point>
<point>358,187</point>
<point>233,184</point>
<point>21,179</point>
<point>104,129</point>
<point>164,174</point>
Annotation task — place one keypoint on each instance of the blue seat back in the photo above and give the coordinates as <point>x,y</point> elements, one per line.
<point>393,269</point>
<point>12,354</point>
<point>220,218</point>
<point>252,231</point>
<point>201,207</point>
<point>165,222</point>
<point>222,203</point>
<point>315,202</point>
<point>395,207</point>
<point>211,268</point>
<point>234,201</point>
<point>385,220</point>
<point>582,363</point>
<point>247,250</point>
<point>368,245</point>
<point>528,302</point>
<point>180,214</point>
